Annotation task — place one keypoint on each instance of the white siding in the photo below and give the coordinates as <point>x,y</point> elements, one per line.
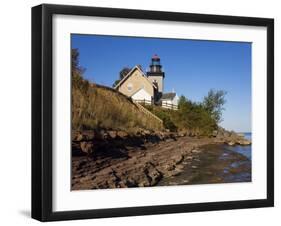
<point>141,95</point>
<point>175,100</point>
<point>170,103</point>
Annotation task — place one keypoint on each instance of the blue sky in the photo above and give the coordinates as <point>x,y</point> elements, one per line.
<point>192,68</point>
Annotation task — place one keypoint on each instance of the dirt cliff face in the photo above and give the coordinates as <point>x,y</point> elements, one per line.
<point>102,107</point>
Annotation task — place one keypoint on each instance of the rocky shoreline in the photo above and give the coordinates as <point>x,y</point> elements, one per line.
<point>116,159</point>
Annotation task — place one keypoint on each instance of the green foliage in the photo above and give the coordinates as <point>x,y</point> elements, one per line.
<point>122,74</point>
<point>116,82</point>
<point>77,72</point>
<point>191,117</point>
<point>194,117</point>
<point>213,103</point>
<point>165,115</point>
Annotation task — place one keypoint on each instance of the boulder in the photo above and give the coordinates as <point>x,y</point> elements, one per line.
<point>244,142</point>
<point>177,159</point>
<point>182,134</point>
<point>215,133</point>
<point>169,167</point>
<point>161,135</point>
<point>87,147</point>
<point>122,134</point>
<point>112,134</point>
<point>155,176</point>
<point>79,137</point>
<point>231,143</point>
<point>144,183</point>
<point>146,132</point>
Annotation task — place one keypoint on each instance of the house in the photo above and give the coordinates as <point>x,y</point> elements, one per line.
<point>148,87</point>
<point>170,100</point>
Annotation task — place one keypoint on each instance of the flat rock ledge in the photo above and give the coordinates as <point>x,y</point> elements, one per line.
<point>114,159</point>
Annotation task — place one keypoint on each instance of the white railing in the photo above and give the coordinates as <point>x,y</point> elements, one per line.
<point>164,104</point>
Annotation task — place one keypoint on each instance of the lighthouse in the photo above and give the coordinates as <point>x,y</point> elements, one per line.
<point>155,74</point>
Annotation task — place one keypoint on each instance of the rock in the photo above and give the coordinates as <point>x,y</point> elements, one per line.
<point>78,136</point>
<point>112,134</point>
<point>122,134</point>
<point>182,134</point>
<point>105,135</point>
<point>172,173</point>
<point>143,182</point>
<point>129,182</point>
<point>240,135</point>
<point>122,184</point>
<point>179,168</point>
<point>84,179</point>
<point>195,151</point>
<point>81,164</point>
<point>215,133</point>
<point>155,176</point>
<point>112,182</point>
<point>231,143</point>
<point>233,134</point>
<point>244,142</point>
<point>189,158</point>
<point>146,132</point>
<point>87,147</point>
<point>169,167</point>
<point>161,135</point>
<point>178,159</point>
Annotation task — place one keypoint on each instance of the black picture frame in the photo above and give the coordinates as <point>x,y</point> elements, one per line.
<point>42,111</point>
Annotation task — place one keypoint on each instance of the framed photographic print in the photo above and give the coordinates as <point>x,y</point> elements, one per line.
<point>145,112</point>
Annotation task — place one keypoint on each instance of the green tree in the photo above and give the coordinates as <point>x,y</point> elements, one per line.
<point>77,71</point>
<point>122,74</point>
<point>213,103</point>
<point>182,101</point>
<point>116,82</point>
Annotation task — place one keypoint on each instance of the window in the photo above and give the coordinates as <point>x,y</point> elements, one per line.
<point>130,87</point>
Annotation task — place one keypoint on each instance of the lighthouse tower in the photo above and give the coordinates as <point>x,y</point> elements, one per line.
<point>156,75</point>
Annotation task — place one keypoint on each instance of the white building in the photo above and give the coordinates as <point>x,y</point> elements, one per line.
<point>170,101</point>
<point>148,88</point>
<point>141,95</point>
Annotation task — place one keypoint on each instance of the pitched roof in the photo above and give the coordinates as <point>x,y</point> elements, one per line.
<point>168,96</point>
<point>130,73</point>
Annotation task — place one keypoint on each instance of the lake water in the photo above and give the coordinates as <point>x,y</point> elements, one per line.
<point>244,150</point>
<point>216,164</point>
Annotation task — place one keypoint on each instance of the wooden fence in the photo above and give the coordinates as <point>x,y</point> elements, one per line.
<point>169,106</point>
